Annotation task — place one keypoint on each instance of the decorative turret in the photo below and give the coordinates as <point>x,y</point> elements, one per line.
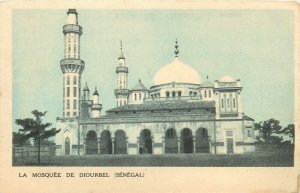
<point>72,66</point>
<point>121,92</point>
<point>228,97</point>
<point>96,107</point>
<point>206,90</point>
<point>86,92</point>
<point>138,93</point>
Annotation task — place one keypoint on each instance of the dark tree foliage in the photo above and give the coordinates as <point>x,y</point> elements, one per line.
<point>270,131</point>
<point>289,132</point>
<point>34,128</point>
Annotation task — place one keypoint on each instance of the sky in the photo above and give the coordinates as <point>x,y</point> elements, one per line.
<point>256,46</point>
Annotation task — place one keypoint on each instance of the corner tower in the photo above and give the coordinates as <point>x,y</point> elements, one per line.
<point>72,66</point>
<point>121,92</point>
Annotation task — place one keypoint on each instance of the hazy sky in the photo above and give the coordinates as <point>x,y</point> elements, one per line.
<point>254,46</point>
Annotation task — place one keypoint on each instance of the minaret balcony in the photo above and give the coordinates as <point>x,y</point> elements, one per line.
<point>72,65</point>
<point>124,92</point>
<point>96,107</point>
<point>121,69</point>
<point>71,28</point>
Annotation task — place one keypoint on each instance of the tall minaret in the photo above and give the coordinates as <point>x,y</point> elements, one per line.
<point>121,92</point>
<point>71,66</point>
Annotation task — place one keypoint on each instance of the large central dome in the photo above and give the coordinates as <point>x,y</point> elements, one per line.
<point>177,72</point>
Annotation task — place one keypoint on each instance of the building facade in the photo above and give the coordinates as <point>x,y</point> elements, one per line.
<point>180,113</point>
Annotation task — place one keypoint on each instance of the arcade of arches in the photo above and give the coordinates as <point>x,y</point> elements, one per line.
<point>173,143</point>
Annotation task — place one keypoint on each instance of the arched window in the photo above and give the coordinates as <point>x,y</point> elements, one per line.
<point>140,96</point>
<point>173,94</point>
<point>68,91</point>
<point>179,93</point>
<point>233,101</point>
<point>191,93</point>
<point>68,104</point>
<point>74,104</point>
<point>170,133</point>
<point>68,80</point>
<point>74,91</point>
<point>209,93</point>
<point>74,80</point>
<point>195,93</point>
<point>135,96</point>
<point>167,94</point>
<point>249,134</point>
<point>227,102</point>
<point>205,94</point>
<point>75,50</point>
<point>222,103</point>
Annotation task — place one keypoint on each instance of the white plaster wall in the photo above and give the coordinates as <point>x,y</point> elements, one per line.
<point>70,126</point>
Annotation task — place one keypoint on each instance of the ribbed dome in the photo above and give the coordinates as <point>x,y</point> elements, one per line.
<point>177,72</point>
<point>227,79</point>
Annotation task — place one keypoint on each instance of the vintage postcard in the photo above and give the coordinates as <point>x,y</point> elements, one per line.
<point>148,97</point>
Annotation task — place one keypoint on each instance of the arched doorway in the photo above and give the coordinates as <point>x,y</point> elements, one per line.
<point>186,144</point>
<point>171,144</point>
<point>105,143</point>
<point>120,142</point>
<point>91,143</point>
<point>202,142</point>
<point>67,145</point>
<point>146,141</point>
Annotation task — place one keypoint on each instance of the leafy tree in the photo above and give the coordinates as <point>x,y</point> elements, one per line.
<point>289,133</point>
<point>18,139</point>
<point>34,129</point>
<point>268,131</point>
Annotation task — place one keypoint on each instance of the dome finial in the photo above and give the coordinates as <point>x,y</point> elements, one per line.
<point>122,54</point>
<point>96,92</point>
<point>176,48</point>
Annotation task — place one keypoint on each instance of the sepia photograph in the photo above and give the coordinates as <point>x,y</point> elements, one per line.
<point>153,87</point>
<point>149,97</point>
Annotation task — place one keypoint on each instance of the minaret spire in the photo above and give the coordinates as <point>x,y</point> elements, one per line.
<point>176,48</point>
<point>121,92</point>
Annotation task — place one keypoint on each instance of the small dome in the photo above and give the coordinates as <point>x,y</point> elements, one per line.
<point>72,11</point>
<point>207,84</point>
<point>227,79</point>
<point>86,88</point>
<point>177,72</point>
<point>96,93</point>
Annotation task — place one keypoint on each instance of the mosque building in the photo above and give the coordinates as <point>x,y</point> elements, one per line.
<point>180,113</point>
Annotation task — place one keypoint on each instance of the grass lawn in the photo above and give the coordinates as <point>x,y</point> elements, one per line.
<point>259,159</point>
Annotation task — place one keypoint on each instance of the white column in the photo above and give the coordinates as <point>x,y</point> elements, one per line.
<point>194,144</point>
